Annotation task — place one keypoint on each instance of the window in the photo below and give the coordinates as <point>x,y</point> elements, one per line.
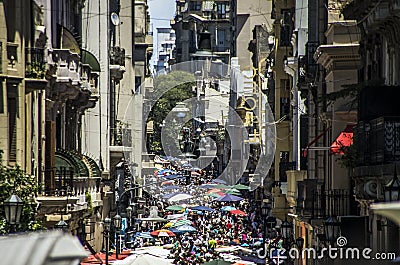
<point>221,10</point>
<point>286,27</point>
<point>284,156</point>
<point>195,6</point>
<point>285,107</point>
<point>138,83</point>
<point>12,109</point>
<point>1,100</point>
<point>221,39</point>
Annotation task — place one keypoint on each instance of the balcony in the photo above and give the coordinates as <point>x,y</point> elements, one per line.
<point>120,140</point>
<point>35,64</point>
<point>117,62</point>
<point>71,191</point>
<point>35,69</point>
<point>378,141</point>
<point>117,56</point>
<point>314,203</point>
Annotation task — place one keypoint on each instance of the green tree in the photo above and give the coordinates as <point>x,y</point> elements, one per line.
<point>175,91</point>
<point>13,180</point>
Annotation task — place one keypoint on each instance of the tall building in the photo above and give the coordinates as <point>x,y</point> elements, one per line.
<point>375,164</point>
<point>195,17</point>
<point>165,49</point>
<point>67,115</point>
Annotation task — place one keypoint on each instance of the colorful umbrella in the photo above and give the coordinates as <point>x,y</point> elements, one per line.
<point>229,198</point>
<point>162,233</point>
<point>181,222</point>
<point>241,187</point>
<point>213,191</point>
<point>167,182</point>
<point>228,208</point>
<point>180,197</point>
<point>174,208</point>
<point>219,181</point>
<point>169,195</point>
<point>222,186</point>
<point>238,212</point>
<point>202,208</point>
<point>233,192</point>
<point>215,195</point>
<point>207,186</point>
<point>184,229</point>
<point>143,235</point>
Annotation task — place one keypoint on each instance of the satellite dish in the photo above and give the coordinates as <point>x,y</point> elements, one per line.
<point>115,19</point>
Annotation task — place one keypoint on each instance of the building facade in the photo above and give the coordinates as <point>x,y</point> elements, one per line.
<point>66,116</point>
<point>194,17</point>
<point>165,49</point>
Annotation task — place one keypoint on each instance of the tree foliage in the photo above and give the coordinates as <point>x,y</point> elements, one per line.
<point>176,91</point>
<point>13,180</point>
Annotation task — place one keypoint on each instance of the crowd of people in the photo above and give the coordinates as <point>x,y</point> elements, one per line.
<point>213,229</point>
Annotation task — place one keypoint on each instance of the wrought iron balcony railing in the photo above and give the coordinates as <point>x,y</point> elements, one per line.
<point>117,56</point>
<point>378,141</point>
<point>121,136</point>
<point>35,64</point>
<point>322,204</point>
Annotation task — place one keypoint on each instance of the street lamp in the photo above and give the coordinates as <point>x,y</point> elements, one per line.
<point>181,110</point>
<point>129,213</point>
<point>13,210</point>
<point>107,228</point>
<point>392,189</point>
<point>286,228</point>
<point>332,229</point>
<point>117,224</point>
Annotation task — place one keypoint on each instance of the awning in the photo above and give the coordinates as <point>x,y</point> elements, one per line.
<point>345,139</point>
<point>67,40</point>
<point>88,58</point>
<point>83,166</point>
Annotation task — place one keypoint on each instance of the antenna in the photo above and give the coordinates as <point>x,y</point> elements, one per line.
<point>115,19</point>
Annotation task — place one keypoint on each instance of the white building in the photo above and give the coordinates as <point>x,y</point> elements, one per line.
<point>165,49</point>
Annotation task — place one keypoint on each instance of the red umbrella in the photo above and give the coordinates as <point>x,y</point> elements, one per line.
<point>238,212</point>
<point>162,232</point>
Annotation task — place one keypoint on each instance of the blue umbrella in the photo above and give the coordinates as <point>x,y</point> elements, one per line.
<point>202,208</point>
<point>144,235</point>
<point>207,186</point>
<point>171,187</point>
<point>219,181</point>
<point>183,229</point>
<point>169,195</point>
<point>229,198</point>
<point>162,171</point>
<point>173,176</point>
<point>228,208</point>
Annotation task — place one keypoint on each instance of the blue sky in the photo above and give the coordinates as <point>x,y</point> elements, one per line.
<point>161,12</point>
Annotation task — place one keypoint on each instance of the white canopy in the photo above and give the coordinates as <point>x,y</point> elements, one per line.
<point>143,259</point>
<point>53,247</point>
